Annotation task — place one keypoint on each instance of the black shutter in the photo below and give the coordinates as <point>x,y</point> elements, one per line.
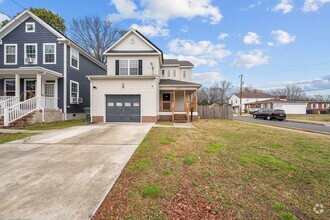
<point>140,67</point>
<point>117,67</point>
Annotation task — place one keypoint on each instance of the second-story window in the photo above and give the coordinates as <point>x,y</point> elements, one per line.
<point>30,27</point>
<point>133,67</point>
<point>49,53</point>
<point>129,67</point>
<point>10,54</point>
<point>74,59</point>
<point>30,53</point>
<point>168,73</point>
<point>184,74</point>
<point>163,73</point>
<point>123,67</point>
<point>174,73</point>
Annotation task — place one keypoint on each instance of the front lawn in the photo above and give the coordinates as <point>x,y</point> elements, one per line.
<point>55,125</point>
<point>310,117</point>
<point>7,137</point>
<point>223,170</point>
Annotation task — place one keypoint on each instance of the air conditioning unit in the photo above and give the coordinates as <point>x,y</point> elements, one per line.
<point>29,60</point>
<point>74,100</point>
<point>81,100</point>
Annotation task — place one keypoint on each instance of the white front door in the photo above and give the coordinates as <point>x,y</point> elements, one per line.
<point>49,90</point>
<point>50,102</point>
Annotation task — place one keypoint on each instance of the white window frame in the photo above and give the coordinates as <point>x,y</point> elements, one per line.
<point>36,58</point>
<point>163,73</point>
<point>325,105</point>
<point>316,105</point>
<point>5,54</point>
<point>44,53</point>
<point>184,74</point>
<point>129,68</point>
<point>5,87</point>
<point>71,52</point>
<point>174,73</point>
<point>26,27</point>
<point>77,83</point>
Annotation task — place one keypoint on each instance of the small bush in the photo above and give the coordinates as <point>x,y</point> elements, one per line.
<point>152,190</point>
<point>189,160</point>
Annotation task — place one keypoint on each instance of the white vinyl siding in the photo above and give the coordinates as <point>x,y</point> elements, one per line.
<point>10,54</point>
<point>74,58</point>
<point>31,52</point>
<point>49,53</point>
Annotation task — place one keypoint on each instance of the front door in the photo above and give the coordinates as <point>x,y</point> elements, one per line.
<point>29,88</point>
<point>49,90</point>
<point>49,94</point>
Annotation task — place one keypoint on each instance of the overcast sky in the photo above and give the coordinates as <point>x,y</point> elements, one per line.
<point>271,42</point>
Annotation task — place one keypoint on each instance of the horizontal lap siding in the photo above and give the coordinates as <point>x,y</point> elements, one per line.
<point>146,88</point>
<point>86,67</point>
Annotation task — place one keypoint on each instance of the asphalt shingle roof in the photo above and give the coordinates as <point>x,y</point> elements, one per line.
<point>178,62</point>
<point>173,82</point>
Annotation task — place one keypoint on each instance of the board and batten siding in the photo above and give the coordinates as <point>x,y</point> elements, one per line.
<point>147,88</point>
<point>40,36</point>
<point>86,67</point>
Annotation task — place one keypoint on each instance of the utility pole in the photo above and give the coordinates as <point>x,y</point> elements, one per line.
<point>240,94</point>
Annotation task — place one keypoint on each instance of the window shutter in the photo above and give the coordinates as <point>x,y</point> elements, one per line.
<point>117,67</point>
<point>140,67</point>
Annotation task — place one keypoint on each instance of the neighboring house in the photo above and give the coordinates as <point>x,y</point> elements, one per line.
<point>40,68</point>
<point>317,107</point>
<point>142,86</point>
<point>234,100</point>
<point>290,107</point>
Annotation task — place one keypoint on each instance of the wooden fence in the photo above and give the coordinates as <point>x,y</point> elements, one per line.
<point>215,112</point>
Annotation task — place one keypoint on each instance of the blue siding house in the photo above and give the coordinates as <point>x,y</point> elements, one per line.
<point>40,68</point>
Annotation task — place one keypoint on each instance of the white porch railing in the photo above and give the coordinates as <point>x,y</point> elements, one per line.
<point>20,110</point>
<point>12,100</point>
<point>49,102</point>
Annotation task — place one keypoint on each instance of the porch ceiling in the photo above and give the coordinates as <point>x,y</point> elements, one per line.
<point>29,71</point>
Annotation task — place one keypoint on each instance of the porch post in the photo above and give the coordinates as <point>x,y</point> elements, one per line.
<point>196,101</point>
<point>17,86</point>
<point>38,92</point>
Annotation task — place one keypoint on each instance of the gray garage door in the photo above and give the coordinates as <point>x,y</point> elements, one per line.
<point>123,108</point>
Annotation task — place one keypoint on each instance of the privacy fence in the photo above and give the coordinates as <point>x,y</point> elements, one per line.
<point>215,112</point>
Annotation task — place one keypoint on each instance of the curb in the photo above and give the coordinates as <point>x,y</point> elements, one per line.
<point>306,122</point>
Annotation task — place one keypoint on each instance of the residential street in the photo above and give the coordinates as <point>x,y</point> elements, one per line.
<point>64,174</point>
<point>311,127</point>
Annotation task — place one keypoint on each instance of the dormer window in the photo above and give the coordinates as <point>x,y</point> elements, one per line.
<point>30,27</point>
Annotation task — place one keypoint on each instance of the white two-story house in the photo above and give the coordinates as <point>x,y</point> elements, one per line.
<point>234,100</point>
<point>142,86</point>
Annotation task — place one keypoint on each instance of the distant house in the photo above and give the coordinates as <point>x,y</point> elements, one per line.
<point>42,69</point>
<point>318,107</point>
<point>290,107</point>
<point>234,100</point>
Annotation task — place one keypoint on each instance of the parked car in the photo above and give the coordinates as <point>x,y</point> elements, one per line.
<point>270,114</point>
<point>253,110</point>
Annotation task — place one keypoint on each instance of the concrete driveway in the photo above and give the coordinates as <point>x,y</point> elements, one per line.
<point>64,174</point>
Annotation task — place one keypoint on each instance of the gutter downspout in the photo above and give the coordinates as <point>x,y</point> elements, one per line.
<point>91,98</point>
<point>65,77</point>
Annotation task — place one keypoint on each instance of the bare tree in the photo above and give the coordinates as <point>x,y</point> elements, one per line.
<point>321,98</point>
<point>94,34</point>
<point>218,93</point>
<point>293,92</point>
<point>251,89</point>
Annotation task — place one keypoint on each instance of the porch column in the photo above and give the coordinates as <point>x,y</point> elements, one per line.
<point>17,86</point>
<point>38,92</point>
<point>196,101</point>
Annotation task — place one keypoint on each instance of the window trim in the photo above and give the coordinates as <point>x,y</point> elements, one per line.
<point>5,87</point>
<point>77,83</point>
<point>174,73</point>
<point>184,73</point>
<point>163,73</point>
<point>44,53</point>
<point>78,62</point>
<point>5,54</point>
<point>316,105</point>
<point>34,27</point>
<point>129,67</point>
<point>36,58</point>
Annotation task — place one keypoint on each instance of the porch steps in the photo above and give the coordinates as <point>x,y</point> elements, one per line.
<point>26,120</point>
<point>180,118</point>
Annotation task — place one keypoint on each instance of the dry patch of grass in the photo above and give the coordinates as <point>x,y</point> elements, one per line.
<point>310,117</point>
<point>55,125</point>
<point>223,170</point>
<point>7,137</point>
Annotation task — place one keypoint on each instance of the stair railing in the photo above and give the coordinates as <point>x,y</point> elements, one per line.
<point>5,103</point>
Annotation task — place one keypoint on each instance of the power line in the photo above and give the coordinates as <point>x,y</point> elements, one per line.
<point>19,5</point>
<point>11,17</point>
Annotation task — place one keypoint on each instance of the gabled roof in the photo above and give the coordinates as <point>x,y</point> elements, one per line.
<point>25,14</point>
<point>254,95</point>
<point>178,62</point>
<point>172,82</point>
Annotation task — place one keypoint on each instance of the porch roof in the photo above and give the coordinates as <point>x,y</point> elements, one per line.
<point>28,71</point>
<point>171,83</point>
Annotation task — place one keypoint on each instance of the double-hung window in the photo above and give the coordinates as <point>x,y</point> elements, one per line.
<point>163,73</point>
<point>10,54</point>
<point>314,105</point>
<point>74,59</point>
<point>133,67</point>
<point>49,53</point>
<point>123,67</point>
<point>30,54</point>
<point>74,91</point>
<point>128,67</point>
<point>9,87</point>
<point>174,73</point>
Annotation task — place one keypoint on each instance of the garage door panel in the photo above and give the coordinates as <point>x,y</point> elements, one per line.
<point>123,108</point>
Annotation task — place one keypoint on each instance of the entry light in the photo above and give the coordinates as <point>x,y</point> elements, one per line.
<point>123,85</point>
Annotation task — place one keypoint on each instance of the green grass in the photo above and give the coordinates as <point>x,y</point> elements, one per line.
<point>223,170</point>
<point>55,125</point>
<point>310,117</point>
<point>7,137</point>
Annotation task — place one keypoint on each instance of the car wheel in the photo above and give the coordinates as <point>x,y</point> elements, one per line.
<point>255,116</point>
<point>269,118</point>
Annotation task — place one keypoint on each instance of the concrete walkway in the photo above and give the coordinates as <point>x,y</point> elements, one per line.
<point>64,174</point>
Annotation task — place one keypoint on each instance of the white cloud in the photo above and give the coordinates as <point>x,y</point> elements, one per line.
<point>254,5</point>
<point>197,61</point>
<point>164,10</point>
<point>270,44</point>
<point>184,29</point>
<point>285,6</point>
<point>207,77</point>
<point>3,16</point>
<point>313,5</point>
<point>283,37</point>
<point>223,36</point>
<point>252,38</point>
<point>152,30</point>
<point>251,59</point>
